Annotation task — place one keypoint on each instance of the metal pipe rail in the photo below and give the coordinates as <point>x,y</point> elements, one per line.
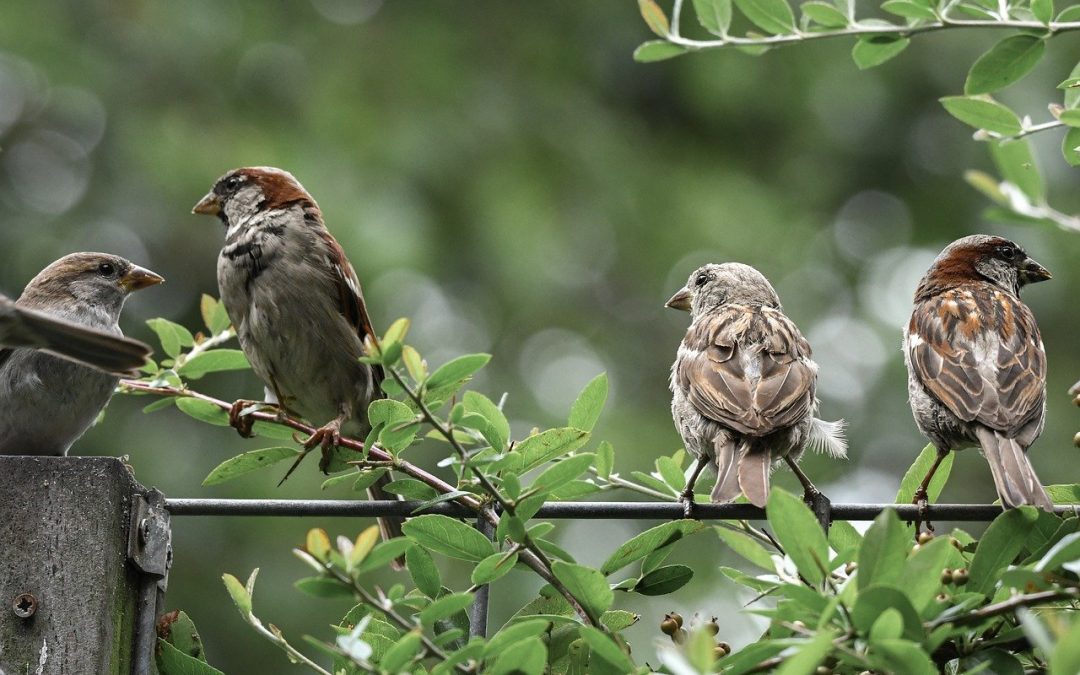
<point>565,510</point>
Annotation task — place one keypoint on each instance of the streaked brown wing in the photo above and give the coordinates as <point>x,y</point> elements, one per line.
<point>351,298</point>
<point>979,352</point>
<point>748,368</point>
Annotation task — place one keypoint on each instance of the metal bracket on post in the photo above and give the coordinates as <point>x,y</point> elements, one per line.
<point>150,552</point>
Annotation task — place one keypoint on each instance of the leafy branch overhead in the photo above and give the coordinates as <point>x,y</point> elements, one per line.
<point>1019,193</point>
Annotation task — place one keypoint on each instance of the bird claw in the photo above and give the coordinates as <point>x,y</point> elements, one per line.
<point>923,516</point>
<point>242,423</point>
<point>326,437</point>
<point>687,500</point>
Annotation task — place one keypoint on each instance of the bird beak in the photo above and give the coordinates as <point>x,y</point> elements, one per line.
<point>139,277</point>
<point>1032,272</point>
<point>680,300</point>
<point>210,205</point>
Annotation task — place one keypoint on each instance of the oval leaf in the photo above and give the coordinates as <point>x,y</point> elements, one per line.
<point>664,580</point>
<point>1005,63</point>
<point>648,541</point>
<point>771,16</point>
<point>450,537</point>
<point>493,567</point>
<point>799,533</point>
<point>874,51</point>
<point>586,584</point>
<point>248,462</point>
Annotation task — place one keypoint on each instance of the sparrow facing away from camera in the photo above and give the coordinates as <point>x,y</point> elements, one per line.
<point>976,363</point>
<point>70,310</point>
<point>743,385</point>
<point>297,306</point>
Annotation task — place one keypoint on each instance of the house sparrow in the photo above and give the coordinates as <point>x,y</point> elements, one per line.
<point>47,403</point>
<point>297,307</point>
<point>976,364</point>
<point>743,384</point>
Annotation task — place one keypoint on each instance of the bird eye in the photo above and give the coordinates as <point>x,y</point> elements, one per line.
<point>701,279</point>
<point>106,269</point>
<point>1007,252</point>
<point>232,182</point>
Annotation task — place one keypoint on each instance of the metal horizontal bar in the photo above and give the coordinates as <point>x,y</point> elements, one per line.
<point>568,510</point>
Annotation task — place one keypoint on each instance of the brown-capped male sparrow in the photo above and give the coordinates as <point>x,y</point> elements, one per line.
<point>976,364</point>
<point>297,307</point>
<point>69,309</point>
<point>743,385</point>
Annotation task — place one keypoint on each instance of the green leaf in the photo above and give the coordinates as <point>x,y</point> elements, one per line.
<point>1001,542</point>
<point>589,404</point>
<point>1070,117</point>
<point>547,445</point>
<point>1064,494</point>
<point>585,584</point>
<point>902,656</point>
<point>240,594</point>
<point>1071,13</point>
<point>809,655</point>
<point>825,14</point>
<point>672,474</point>
<point>747,547</point>
<point>172,661</point>
<point>605,459</point>
<point>562,472</point>
<point>204,411</point>
<point>1043,10</point>
<point>922,572</point>
<point>888,626</point>
<point>616,620</point>
<point>714,15</point>
<point>1005,63</point>
<point>874,51</point>
<point>248,462</point>
<point>513,633</point>
<point>1065,659</point>
<point>648,541</point>
<point>883,552</point>
<point>367,478</point>
<point>872,602</point>
<point>159,404</point>
<point>450,537</point>
<point>525,657</point>
<point>383,553</point>
<point>173,336</point>
<point>915,473</point>
<point>664,580</point>
<point>604,647</point>
<point>1069,147</point>
<point>657,50</point>
<point>457,371</point>
<point>410,488</point>
<point>799,533</point>
<point>845,540</point>
<point>214,315</point>
<point>498,427</point>
<point>397,657</point>
<point>1066,550</point>
<point>183,635</point>
<point>214,361</point>
<point>321,587</point>
<point>771,16</point>
<point>423,571</point>
<point>493,567</point>
<point>1017,165</point>
<point>909,10</point>
<point>444,607</point>
<point>991,662</point>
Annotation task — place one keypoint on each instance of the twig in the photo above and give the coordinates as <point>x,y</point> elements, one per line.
<point>277,638</point>
<point>858,30</point>
<point>378,453</point>
<point>1006,606</point>
<point>534,557</point>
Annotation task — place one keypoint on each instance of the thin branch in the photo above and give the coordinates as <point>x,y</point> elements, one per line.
<point>859,30</point>
<point>1007,606</point>
<point>295,655</point>
<point>377,453</point>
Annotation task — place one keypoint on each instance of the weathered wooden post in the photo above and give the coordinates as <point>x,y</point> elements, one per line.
<point>84,553</point>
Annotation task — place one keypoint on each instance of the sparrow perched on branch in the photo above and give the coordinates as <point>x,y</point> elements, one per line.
<point>69,310</point>
<point>976,364</point>
<point>743,385</point>
<point>297,307</point>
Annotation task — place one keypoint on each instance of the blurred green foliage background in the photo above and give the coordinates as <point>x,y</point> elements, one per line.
<point>507,176</point>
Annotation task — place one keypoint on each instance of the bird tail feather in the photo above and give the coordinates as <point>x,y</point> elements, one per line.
<point>755,464</point>
<point>727,471</point>
<point>111,353</point>
<point>1014,476</point>
<point>389,527</point>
